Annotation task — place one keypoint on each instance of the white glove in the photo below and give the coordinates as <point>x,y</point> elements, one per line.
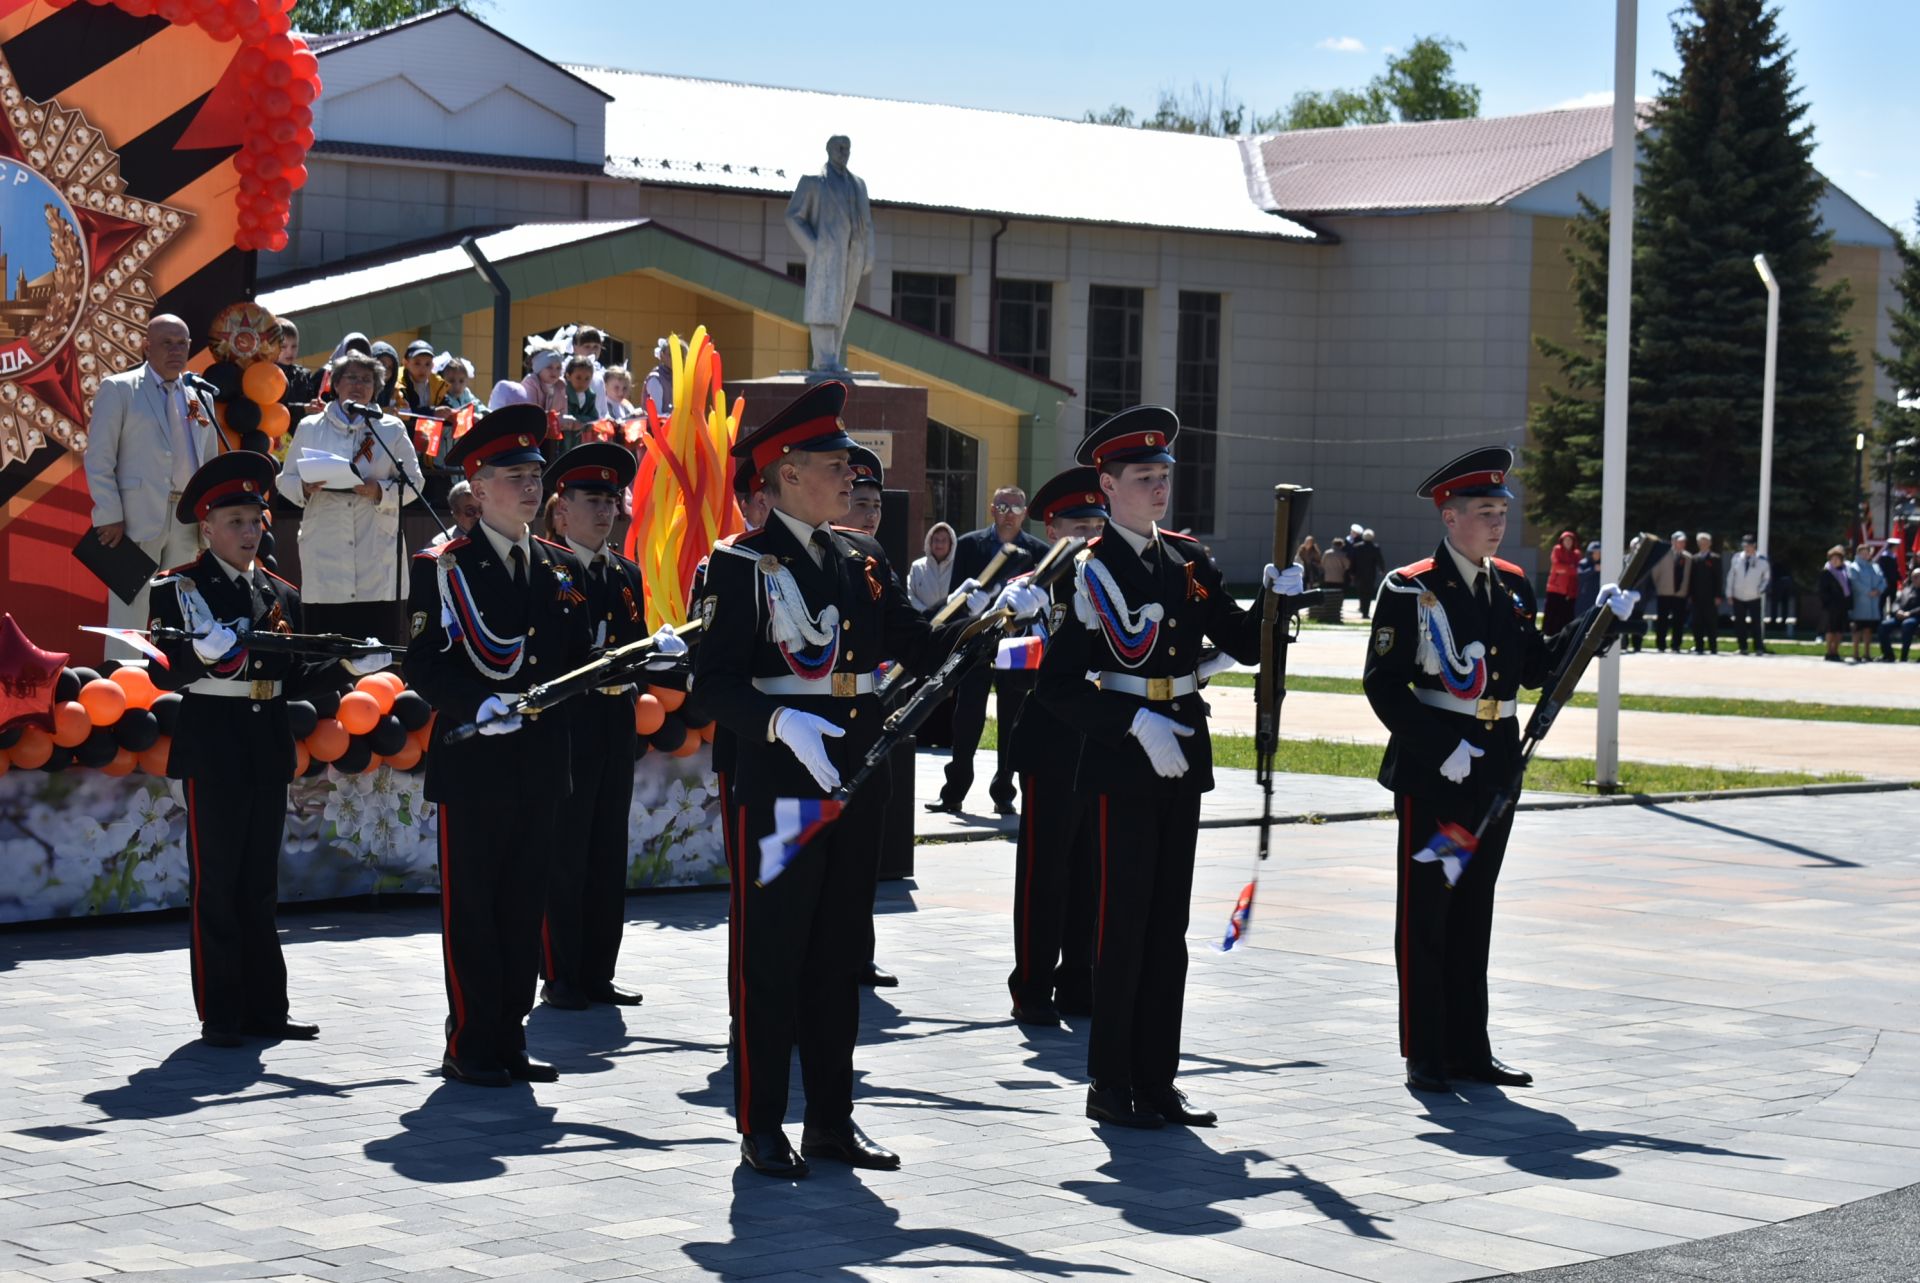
<point>1161,736</point>
<point>1460,762</point>
<point>219,639</point>
<point>1023,599</point>
<point>973,594</point>
<point>1219,663</point>
<point>1290,582</point>
<point>1620,602</point>
<point>806,735</point>
<point>494,719</point>
<point>667,648</point>
<point>361,665</point>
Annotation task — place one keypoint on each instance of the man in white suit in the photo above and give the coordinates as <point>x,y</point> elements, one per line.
<point>151,429</point>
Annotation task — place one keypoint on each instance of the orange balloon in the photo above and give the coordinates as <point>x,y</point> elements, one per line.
<point>302,759</point>
<point>374,763</point>
<point>392,679</point>
<point>32,749</point>
<point>380,692</point>
<point>706,732</point>
<point>420,738</point>
<point>154,760</point>
<point>71,725</point>
<point>407,757</point>
<point>264,382</point>
<point>648,714</point>
<point>689,746</point>
<point>122,764</point>
<point>329,739</point>
<point>104,701</point>
<point>141,692</point>
<point>359,713</point>
<point>670,699</point>
<point>275,419</point>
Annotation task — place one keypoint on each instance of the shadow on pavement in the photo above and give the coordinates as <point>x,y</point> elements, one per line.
<point>1491,1124</point>
<point>1168,1181</point>
<point>831,1226</point>
<point>461,1133</point>
<point>195,1076</point>
<point>1832,861</point>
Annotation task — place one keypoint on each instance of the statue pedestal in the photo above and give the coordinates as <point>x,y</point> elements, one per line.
<point>888,418</point>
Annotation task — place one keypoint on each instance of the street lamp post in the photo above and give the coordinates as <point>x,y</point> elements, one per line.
<point>1613,453</point>
<point>1766,399</point>
<point>1860,481</point>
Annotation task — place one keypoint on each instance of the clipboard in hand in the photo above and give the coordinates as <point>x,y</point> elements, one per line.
<point>123,568</point>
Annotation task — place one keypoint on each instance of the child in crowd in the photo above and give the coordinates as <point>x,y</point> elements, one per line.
<point>457,371</point>
<point>618,380</point>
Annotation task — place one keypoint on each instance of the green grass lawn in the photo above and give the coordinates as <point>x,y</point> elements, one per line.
<point>1555,774</point>
<point>1792,711</point>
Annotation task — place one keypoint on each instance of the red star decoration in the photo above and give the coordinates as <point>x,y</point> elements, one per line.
<point>27,679</point>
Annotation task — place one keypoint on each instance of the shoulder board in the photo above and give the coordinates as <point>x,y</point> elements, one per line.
<point>1176,534</point>
<point>748,536</point>
<point>276,578</point>
<point>181,569</point>
<point>557,547</point>
<point>1417,568</point>
<point>1094,543</point>
<point>726,541</point>
<point>736,549</point>
<point>1508,567</point>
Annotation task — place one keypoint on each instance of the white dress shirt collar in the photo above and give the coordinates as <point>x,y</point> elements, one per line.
<point>505,546</point>
<point>1468,570</point>
<point>804,533</point>
<point>233,572</point>
<point>587,555</point>
<point>1136,541</point>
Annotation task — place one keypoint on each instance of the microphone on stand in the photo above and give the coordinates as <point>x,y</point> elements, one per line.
<point>364,410</point>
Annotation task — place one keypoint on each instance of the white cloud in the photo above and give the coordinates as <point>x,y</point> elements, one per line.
<point>1598,98</point>
<point>1343,44</point>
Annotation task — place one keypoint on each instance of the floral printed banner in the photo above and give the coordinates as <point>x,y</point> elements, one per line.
<point>76,843</point>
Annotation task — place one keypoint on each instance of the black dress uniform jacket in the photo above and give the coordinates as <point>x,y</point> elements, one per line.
<point>973,550</point>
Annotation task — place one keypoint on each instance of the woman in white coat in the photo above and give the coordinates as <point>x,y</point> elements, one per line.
<point>350,549</point>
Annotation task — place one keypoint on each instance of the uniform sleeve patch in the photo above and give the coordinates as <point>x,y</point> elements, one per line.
<point>419,622</point>
<point>1383,638</point>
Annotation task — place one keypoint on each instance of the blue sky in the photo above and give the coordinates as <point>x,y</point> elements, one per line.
<point>1852,57</point>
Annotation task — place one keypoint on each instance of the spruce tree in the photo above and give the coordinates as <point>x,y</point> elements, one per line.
<point>1726,172</point>
<point>1897,430</point>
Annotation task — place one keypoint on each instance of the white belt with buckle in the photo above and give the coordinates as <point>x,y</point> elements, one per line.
<point>1156,690</point>
<point>234,689</point>
<point>837,685</point>
<point>1487,710</point>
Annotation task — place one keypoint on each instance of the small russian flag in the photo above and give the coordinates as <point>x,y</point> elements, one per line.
<point>1241,920</point>
<point>1451,848</point>
<point>796,822</point>
<point>138,640</point>
<point>1019,652</point>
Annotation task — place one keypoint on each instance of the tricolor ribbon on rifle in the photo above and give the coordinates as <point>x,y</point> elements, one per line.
<point>796,822</point>
<point>1451,848</point>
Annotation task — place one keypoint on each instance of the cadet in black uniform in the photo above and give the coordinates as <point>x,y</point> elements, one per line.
<point>587,870</point>
<point>1453,642</point>
<point>798,617</point>
<point>1144,600</point>
<point>1054,888</point>
<point>492,613</point>
<point>232,746</point>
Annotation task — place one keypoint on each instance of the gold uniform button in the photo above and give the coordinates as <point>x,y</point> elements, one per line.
<point>845,624</point>
<point>533,659</point>
<point>852,713</point>
<point>1496,677</point>
<point>530,632</point>
<point>849,657</point>
<point>1172,651</point>
<point>1493,650</point>
<point>1173,623</point>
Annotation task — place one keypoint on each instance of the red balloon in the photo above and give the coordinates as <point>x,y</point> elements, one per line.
<point>302,92</point>
<point>276,47</point>
<point>176,12</point>
<point>268,168</point>
<point>278,102</point>
<point>297,177</point>
<point>290,154</point>
<point>283,130</point>
<point>249,61</point>
<point>243,162</point>
<point>277,242</point>
<point>277,74</point>
<point>305,65</point>
<point>281,188</point>
<point>305,136</point>
<point>220,28</point>
<point>303,117</point>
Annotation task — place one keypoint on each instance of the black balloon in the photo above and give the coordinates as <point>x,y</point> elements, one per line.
<point>97,749</point>
<point>243,416</point>
<point>315,767</point>
<point>11,736</point>
<point>692,719</point>
<point>166,710</point>
<point>671,735</point>
<point>256,441</point>
<point>66,687</point>
<point>108,667</point>
<point>301,718</point>
<point>355,759</point>
<point>85,675</point>
<point>388,736</point>
<point>62,758</point>
<point>325,703</point>
<point>224,375</point>
<point>137,729</point>
<point>412,709</point>
<point>640,749</point>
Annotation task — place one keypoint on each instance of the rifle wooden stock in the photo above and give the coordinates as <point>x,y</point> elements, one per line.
<point>614,668</point>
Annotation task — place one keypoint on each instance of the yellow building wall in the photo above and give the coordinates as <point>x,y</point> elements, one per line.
<point>1859,267</point>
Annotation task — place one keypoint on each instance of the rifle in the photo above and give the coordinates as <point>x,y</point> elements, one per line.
<point>977,641</point>
<point>1452,847</point>
<point>324,645</point>
<point>892,685</point>
<point>616,667</point>
<point>1290,504</point>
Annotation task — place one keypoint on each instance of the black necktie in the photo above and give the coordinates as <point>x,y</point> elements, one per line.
<point>519,556</point>
<point>821,541</point>
<point>1481,592</point>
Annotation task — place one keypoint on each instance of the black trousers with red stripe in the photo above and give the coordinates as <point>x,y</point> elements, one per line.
<point>1053,893</point>
<point>1440,939</point>
<point>587,866</point>
<point>493,891</point>
<point>798,947</point>
<point>1145,845</point>
<point>234,828</point>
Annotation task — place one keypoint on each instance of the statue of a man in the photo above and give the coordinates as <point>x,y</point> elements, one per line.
<point>833,224</point>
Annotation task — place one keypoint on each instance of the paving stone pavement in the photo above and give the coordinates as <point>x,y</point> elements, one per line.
<point>1719,1001</point>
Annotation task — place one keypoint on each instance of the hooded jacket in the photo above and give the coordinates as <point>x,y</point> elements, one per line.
<point>929,580</point>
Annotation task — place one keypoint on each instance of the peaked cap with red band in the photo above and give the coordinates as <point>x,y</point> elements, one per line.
<point>1073,493</point>
<point>595,465</point>
<point>512,434</point>
<point>810,423</point>
<point>238,476</point>
<point>865,466</point>
<point>1477,474</point>
<point>746,479</point>
<point>1142,434</point>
